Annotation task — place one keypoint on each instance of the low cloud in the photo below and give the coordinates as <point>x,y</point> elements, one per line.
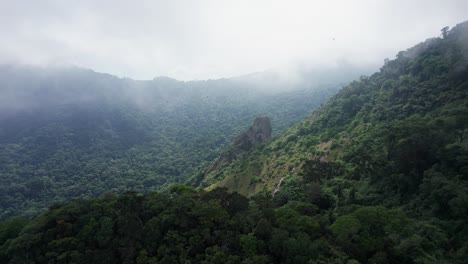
<point>213,39</point>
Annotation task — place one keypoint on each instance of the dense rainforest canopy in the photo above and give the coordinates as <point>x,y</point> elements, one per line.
<point>186,226</point>
<point>378,174</point>
<point>74,133</point>
<point>394,139</point>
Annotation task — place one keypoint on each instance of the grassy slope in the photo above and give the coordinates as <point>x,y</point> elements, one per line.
<point>420,93</point>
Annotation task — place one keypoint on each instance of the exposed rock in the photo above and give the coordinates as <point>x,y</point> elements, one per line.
<point>277,187</point>
<point>259,132</point>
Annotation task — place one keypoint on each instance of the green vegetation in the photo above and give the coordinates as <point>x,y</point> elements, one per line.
<point>377,175</point>
<point>186,226</point>
<point>75,133</point>
<point>394,139</point>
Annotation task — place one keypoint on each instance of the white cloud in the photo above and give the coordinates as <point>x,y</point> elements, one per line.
<point>213,39</point>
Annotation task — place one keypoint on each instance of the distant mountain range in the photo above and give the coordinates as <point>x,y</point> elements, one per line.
<point>67,132</point>
<point>377,174</point>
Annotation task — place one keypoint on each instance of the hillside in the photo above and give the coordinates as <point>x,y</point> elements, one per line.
<point>72,133</point>
<point>389,130</point>
<point>396,139</point>
<point>378,174</point>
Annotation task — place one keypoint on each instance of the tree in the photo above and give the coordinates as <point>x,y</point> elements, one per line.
<point>445,31</point>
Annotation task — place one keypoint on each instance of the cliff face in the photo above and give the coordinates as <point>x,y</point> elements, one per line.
<point>259,132</point>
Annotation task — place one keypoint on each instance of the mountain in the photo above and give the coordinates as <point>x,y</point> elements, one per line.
<point>389,130</point>
<point>396,139</point>
<point>378,174</point>
<point>67,132</point>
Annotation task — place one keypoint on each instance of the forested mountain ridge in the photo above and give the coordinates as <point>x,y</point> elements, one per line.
<point>415,106</point>
<point>378,174</point>
<point>67,132</point>
<point>396,138</point>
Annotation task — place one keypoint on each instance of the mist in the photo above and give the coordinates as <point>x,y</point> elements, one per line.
<point>198,40</point>
<point>31,88</point>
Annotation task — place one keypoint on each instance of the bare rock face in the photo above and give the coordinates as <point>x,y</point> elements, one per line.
<point>259,132</point>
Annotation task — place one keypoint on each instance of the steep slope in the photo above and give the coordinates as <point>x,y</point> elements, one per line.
<point>396,138</point>
<point>377,175</point>
<point>69,132</point>
<point>257,134</point>
<point>392,128</point>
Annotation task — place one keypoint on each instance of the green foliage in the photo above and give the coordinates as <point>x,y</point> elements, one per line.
<point>377,175</point>
<point>77,134</point>
<point>11,227</point>
<point>181,188</point>
<point>395,139</point>
<point>200,227</point>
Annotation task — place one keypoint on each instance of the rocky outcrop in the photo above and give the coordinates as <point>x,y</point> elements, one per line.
<point>259,132</point>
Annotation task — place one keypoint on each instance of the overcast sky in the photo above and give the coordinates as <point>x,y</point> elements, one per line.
<point>212,39</point>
